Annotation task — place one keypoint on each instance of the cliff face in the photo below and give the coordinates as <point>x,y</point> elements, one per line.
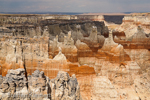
<point>22,53</point>
<point>34,25</point>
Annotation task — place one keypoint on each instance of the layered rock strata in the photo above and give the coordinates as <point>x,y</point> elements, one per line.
<point>115,68</point>
<point>131,22</point>
<point>54,27</point>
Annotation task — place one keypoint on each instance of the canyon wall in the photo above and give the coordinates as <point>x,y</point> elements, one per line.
<point>103,65</point>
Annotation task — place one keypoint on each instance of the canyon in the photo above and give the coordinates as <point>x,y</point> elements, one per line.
<point>74,57</point>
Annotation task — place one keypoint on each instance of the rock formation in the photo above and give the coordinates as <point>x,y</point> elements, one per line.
<point>131,22</point>
<point>137,41</point>
<point>29,24</point>
<point>52,57</point>
<point>109,43</point>
<point>14,85</point>
<point>65,87</point>
<point>38,86</point>
<point>68,47</point>
<point>60,56</point>
<point>114,51</point>
<point>139,36</point>
<point>77,34</point>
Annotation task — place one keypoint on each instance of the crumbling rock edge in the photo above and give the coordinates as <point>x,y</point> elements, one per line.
<point>38,86</point>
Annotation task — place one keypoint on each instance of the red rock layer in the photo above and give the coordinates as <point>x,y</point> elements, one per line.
<point>120,35</point>
<point>49,67</point>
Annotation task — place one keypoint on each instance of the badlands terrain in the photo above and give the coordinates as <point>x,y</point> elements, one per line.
<point>75,57</point>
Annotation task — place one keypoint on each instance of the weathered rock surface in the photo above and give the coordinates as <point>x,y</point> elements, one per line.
<point>142,86</point>
<point>39,87</point>
<point>68,48</point>
<point>65,87</point>
<point>131,22</point>
<point>14,85</point>
<point>112,51</point>
<point>140,56</point>
<point>1,79</point>
<point>103,89</point>
<point>60,56</point>
<point>21,52</point>
<point>36,26</point>
<point>38,84</point>
<point>138,40</point>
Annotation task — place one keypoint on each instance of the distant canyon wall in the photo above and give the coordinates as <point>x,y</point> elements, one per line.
<point>131,22</point>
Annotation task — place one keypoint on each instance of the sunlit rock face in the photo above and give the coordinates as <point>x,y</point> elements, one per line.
<point>83,49</point>
<point>131,22</point>
<point>112,51</point>
<point>10,54</point>
<point>35,51</point>
<point>137,47</point>
<point>140,56</point>
<point>109,43</point>
<point>137,41</point>
<point>60,56</point>
<point>112,61</point>
<point>84,53</point>
<point>142,86</point>
<point>52,66</point>
<point>103,89</point>
<point>22,52</point>
<point>139,36</point>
